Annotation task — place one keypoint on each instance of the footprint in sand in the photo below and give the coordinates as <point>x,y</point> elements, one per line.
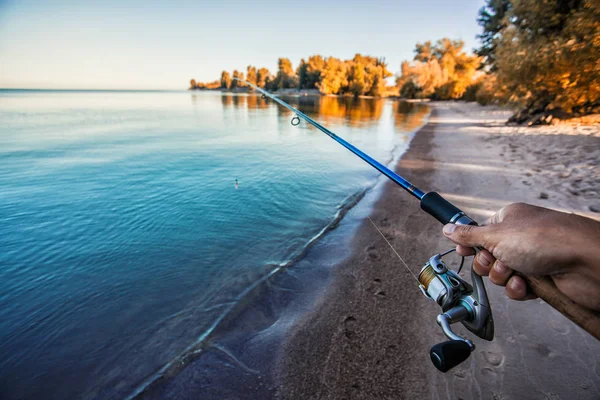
<point>372,253</point>
<point>460,373</point>
<point>349,326</point>
<point>493,358</point>
<point>560,327</point>
<point>487,372</point>
<point>510,339</point>
<point>544,350</point>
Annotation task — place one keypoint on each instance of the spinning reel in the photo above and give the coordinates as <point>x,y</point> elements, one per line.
<point>460,302</point>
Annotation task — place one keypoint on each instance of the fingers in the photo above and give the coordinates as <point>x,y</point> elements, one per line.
<point>465,251</point>
<point>483,262</point>
<point>468,235</point>
<point>500,273</point>
<point>516,289</point>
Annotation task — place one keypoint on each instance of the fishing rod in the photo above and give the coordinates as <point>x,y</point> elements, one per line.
<point>459,300</point>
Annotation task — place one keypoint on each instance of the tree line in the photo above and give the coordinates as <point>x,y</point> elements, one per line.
<point>541,55</point>
<point>362,75</point>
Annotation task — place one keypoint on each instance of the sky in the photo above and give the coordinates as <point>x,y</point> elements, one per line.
<point>79,44</point>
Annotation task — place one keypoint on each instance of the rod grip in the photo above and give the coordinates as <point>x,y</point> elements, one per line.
<point>544,288</point>
<point>438,207</point>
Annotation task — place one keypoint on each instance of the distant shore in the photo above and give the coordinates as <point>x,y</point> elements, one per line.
<point>306,92</point>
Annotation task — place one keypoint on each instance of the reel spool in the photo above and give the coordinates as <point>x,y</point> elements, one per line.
<point>460,302</point>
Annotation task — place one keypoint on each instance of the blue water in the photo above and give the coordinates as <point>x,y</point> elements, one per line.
<point>122,235</point>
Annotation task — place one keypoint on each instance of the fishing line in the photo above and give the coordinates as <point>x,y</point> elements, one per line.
<point>394,250</point>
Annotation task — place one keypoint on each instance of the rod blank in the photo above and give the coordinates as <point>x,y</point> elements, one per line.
<point>400,181</point>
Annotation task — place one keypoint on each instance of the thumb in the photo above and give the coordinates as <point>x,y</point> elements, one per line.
<point>468,235</point>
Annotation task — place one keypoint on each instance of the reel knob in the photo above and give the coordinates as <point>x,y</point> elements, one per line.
<point>447,355</point>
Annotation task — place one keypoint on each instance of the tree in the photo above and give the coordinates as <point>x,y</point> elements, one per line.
<point>262,77</point>
<point>492,18</point>
<point>302,72</point>
<point>315,67</point>
<point>235,83</point>
<point>441,71</point>
<point>225,80</point>
<point>356,76</point>
<point>410,90</point>
<point>286,77</point>
<point>251,74</point>
<point>424,52</point>
<point>549,55</point>
<point>193,84</point>
<point>333,76</point>
<point>310,73</point>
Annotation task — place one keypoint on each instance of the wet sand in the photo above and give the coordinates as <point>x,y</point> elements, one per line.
<point>369,335</point>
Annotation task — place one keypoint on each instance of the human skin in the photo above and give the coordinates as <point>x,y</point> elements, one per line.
<point>535,241</point>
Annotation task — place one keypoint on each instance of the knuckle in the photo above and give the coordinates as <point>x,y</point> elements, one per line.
<point>463,233</point>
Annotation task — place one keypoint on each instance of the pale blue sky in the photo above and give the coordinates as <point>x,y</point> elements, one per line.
<point>162,45</point>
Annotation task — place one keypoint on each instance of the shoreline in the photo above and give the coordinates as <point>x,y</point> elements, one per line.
<point>370,335</point>
<point>263,314</point>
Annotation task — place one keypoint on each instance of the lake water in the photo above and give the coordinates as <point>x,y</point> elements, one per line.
<point>123,239</point>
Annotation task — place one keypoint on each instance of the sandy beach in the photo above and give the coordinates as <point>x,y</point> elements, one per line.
<point>370,335</point>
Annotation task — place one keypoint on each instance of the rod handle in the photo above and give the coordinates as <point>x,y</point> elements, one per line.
<point>544,288</point>
<point>439,208</point>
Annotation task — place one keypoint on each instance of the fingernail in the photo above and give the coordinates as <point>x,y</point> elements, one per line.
<point>500,268</point>
<point>448,229</point>
<point>483,260</point>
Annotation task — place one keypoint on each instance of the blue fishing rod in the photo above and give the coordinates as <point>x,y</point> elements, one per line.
<point>459,300</point>
<point>431,202</point>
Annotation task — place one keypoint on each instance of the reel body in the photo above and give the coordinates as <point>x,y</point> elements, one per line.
<point>460,302</point>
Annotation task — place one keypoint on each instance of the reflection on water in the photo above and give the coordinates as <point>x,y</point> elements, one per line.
<point>408,116</point>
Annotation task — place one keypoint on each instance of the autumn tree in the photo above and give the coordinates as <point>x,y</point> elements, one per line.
<point>333,76</point>
<point>309,72</point>
<point>225,80</point>
<point>302,72</point>
<point>263,76</point>
<point>251,74</point>
<point>356,76</point>
<point>235,83</point>
<point>286,76</point>
<point>193,84</point>
<point>441,71</point>
<point>548,56</point>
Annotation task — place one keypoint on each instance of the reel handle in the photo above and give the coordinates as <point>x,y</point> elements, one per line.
<point>447,355</point>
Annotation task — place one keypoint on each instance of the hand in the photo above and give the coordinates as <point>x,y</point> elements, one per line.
<point>535,241</point>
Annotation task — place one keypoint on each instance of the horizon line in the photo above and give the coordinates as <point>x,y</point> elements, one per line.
<point>91,90</point>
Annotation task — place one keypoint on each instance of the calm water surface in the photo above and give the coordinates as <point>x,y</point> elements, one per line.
<point>123,239</point>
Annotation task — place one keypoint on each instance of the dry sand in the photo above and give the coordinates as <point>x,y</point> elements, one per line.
<point>369,337</point>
